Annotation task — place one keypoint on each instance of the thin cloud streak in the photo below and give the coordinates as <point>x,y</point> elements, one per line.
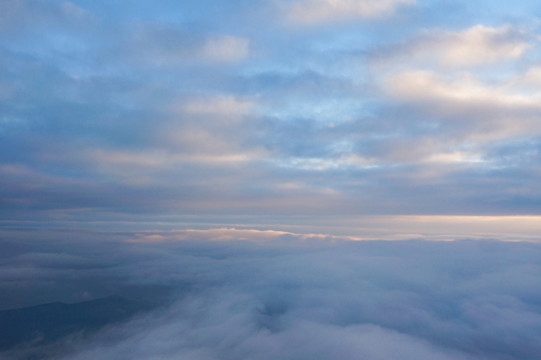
<point>312,12</point>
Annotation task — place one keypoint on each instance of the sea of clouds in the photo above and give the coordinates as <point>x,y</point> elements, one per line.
<point>247,294</point>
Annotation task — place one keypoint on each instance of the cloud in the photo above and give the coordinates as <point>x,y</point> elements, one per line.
<point>140,111</point>
<point>480,44</point>
<point>462,111</point>
<point>473,46</point>
<point>423,85</point>
<point>198,131</point>
<point>243,293</point>
<point>20,16</point>
<point>218,105</point>
<point>319,164</point>
<point>431,70</point>
<point>233,234</point>
<point>159,45</point>
<point>481,111</point>
<point>310,12</point>
<point>226,48</point>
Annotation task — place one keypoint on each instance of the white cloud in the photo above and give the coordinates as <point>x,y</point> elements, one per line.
<point>473,111</point>
<point>326,163</point>
<point>309,12</point>
<point>439,77</point>
<point>530,80</point>
<point>462,88</point>
<point>455,157</point>
<point>476,45</point>
<point>470,47</point>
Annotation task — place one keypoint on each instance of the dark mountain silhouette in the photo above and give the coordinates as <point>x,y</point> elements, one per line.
<point>47,323</point>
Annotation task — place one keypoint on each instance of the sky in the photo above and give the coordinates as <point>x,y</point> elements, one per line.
<point>269,114</point>
<point>240,162</point>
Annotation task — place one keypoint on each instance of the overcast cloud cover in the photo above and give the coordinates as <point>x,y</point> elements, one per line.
<point>268,108</point>
<point>240,162</point>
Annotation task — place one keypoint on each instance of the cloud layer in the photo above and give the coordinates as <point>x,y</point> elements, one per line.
<point>311,108</point>
<point>283,295</point>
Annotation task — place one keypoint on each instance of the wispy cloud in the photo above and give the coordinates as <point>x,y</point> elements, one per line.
<point>474,46</point>
<point>160,45</point>
<point>226,48</point>
<point>218,106</point>
<point>310,12</point>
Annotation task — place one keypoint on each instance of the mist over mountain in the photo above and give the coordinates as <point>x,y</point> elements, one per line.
<point>35,329</point>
